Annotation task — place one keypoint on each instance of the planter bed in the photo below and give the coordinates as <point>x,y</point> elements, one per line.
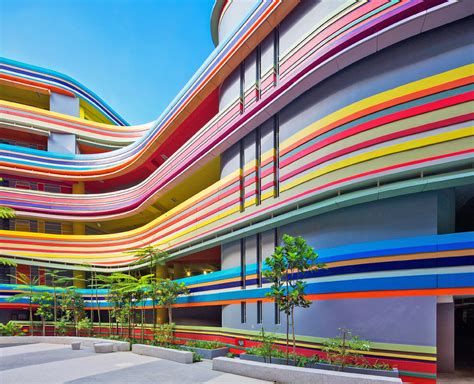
<point>329,367</point>
<point>284,374</point>
<point>350,369</point>
<point>261,359</point>
<point>67,340</point>
<point>184,357</point>
<point>209,353</point>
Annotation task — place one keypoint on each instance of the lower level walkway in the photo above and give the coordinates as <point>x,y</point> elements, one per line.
<point>51,363</point>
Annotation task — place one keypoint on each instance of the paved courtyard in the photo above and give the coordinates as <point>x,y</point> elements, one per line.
<point>51,363</point>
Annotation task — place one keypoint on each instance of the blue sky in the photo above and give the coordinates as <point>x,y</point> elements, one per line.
<point>135,54</point>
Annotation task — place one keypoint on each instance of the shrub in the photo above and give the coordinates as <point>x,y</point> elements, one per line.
<point>164,334</point>
<point>345,349</point>
<point>204,344</point>
<point>11,329</point>
<point>61,327</point>
<point>196,357</point>
<point>84,325</point>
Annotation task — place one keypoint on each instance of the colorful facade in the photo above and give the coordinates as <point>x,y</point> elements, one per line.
<point>346,122</point>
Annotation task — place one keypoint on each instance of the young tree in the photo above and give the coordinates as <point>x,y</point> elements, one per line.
<point>29,283</point>
<point>153,256</point>
<point>286,269</point>
<point>169,291</point>
<point>72,305</point>
<point>56,281</point>
<point>44,309</point>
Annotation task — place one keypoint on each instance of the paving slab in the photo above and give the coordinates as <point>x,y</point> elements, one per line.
<point>51,364</point>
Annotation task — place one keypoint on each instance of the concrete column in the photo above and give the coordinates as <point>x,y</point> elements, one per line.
<point>79,279</point>
<point>79,229</point>
<point>179,271</point>
<point>445,334</point>
<point>161,313</point>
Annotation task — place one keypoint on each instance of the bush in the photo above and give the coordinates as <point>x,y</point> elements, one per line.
<point>345,349</point>
<point>84,325</point>
<point>204,344</point>
<point>11,329</point>
<point>196,357</point>
<point>164,334</point>
<point>61,327</point>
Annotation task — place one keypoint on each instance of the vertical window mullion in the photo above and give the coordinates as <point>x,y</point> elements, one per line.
<point>243,312</point>
<point>276,144</point>
<point>242,177</point>
<point>259,259</point>
<point>258,154</point>
<point>242,87</point>
<point>243,271</point>
<point>259,312</point>
<point>258,74</point>
<point>276,54</point>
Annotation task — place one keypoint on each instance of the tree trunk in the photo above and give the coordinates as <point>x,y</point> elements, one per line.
<point>287,336</point>
<point>98,309</point>
<point>55,307</point>
<point>44,326</point>
<point>31,317</point>
<point>154,316</point>
<point>293,331</point>
<point>170,315</point>
<point>143,327</point>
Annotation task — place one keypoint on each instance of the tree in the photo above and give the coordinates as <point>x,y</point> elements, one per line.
<point>286,269</point>
<point>44,309</point>
<point>56,280</point>
<point>136,290</point>
<point>72,306</point>
<point>29,283</point>
<point>345,349</point>
<point>169,291</point>
<point>153,256</point>
<point>6,213</point>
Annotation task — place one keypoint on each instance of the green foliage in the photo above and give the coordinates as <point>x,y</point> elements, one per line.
<point>266,348</point>
<point>285,270</point>
<point>168,292</point>
<point>196,357</point>
<point>164,334</point>
<point>6,213</point>
<point>149,255</point>
<point>345,349</point>
<point>205,344</point>
<point>11,329</point>
<point>84,325</point>
<point>7,262</point>
<point>72,307</point>
<point>230,355</point>
<point>61,327</point>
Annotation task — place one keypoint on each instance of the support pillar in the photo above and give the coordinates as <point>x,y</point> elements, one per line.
<point>161,313</point>
<point>179,271</point>
<point>445,334</point>
<point>79,279</point>
<point>79,229</point>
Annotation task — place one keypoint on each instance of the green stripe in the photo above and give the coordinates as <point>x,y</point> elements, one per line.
<point>315,340</point>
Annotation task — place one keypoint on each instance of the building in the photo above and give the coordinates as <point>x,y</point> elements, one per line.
<point>346,122</point>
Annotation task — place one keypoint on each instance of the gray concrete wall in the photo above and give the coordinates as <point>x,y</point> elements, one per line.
<point>303,19</point>
<point>445,336</point>
<point>233,17</point>
<point>230,89</point>
<point>403,320</point>
<point>62,143</point>
<point>64,104</point>
<point>407,216</point>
